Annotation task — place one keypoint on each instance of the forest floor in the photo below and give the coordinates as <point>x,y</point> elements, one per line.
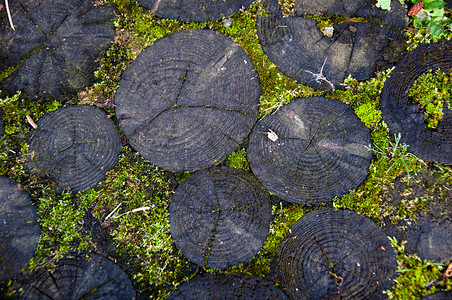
<point>399,187</point>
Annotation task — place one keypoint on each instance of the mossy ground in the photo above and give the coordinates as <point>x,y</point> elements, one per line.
<point>125,216</point>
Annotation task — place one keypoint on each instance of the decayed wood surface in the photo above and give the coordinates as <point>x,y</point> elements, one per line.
<point>189,100</point>
<point>405,117</point>
<point>75,146</point>
<point>220,217</point>
<point>322,61</point>
<point>336,254</point>
<point>310,150</point>
<point>195,10</point>
<point>230,286</point>
<point>19,228</point>
<point>55,46</point>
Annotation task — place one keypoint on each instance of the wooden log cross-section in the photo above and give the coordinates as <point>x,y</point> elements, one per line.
<point>189,100</point>
<point>77,276</point>
<point>322,60</point>
<point>19,228</point>
<point>310,150</point>
<point>230,286</point>
<point>195,10</point>
<point>55,45</point>
<point>74,146</point>
<point>405,117</point>
<point>220,217</point>
<point>336,254</point>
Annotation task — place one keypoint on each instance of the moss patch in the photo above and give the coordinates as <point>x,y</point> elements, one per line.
<point>432,92</point>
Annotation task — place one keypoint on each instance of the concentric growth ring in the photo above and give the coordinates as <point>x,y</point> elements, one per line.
<point>78,276</point>
<point>311,150</point>
<point>189,100</point>
<point>220,217</point>
<point>75,146</point>
<point>55,45</point>
<point>405,117</point>
<point>300,50</point>
<point>331,254</point>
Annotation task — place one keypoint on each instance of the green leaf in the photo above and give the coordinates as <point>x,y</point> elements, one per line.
<point>434,4</point>
<point>384,4</point>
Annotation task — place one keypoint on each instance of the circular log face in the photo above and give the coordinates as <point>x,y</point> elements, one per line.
<point>336,255</point>
<point>405,117</point>
<point>220,217</point>
<point>54,46</point>
<point>19,229</point>
<point>75,146</point>
<point>323,60</point>
<point>189,100</point>
<point>195,10</point>
<point>231,286</point>
<point>83,276</point>
<point>310,151</point>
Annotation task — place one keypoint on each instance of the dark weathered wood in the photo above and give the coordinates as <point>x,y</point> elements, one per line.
<point>189,100</point>
<point>301,51</point>
<point>195,10</point>
<point>220,217</point>
<point>321,151</point>
<point>445,295</point>
<point>336,254</point>
<point>428,236</point>
<point>405,117</point>
<point>230,286</point>
<point>55,45</point>
<point>19,228</point>
<point>75,146</point>
<point>78,276</point>
<point>396,17</point>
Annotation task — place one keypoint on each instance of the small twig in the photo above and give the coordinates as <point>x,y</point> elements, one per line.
<point>31,122</point>
<point>132,211</point>
<point>112,212</point>
<point>448,272</point>
<point>340,283</point>
<point>279,26</point>
<point>320,77</point>
<point>9,15</point>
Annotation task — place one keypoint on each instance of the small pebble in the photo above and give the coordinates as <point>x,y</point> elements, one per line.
<point>227,22</point>
<point>328,31</point>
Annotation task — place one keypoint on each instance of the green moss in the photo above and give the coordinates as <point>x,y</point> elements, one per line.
<point>416,277</point>
<point>13,147</point>
<point>135,195</point>
<point>238,160</point>
<point>432,91</point>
